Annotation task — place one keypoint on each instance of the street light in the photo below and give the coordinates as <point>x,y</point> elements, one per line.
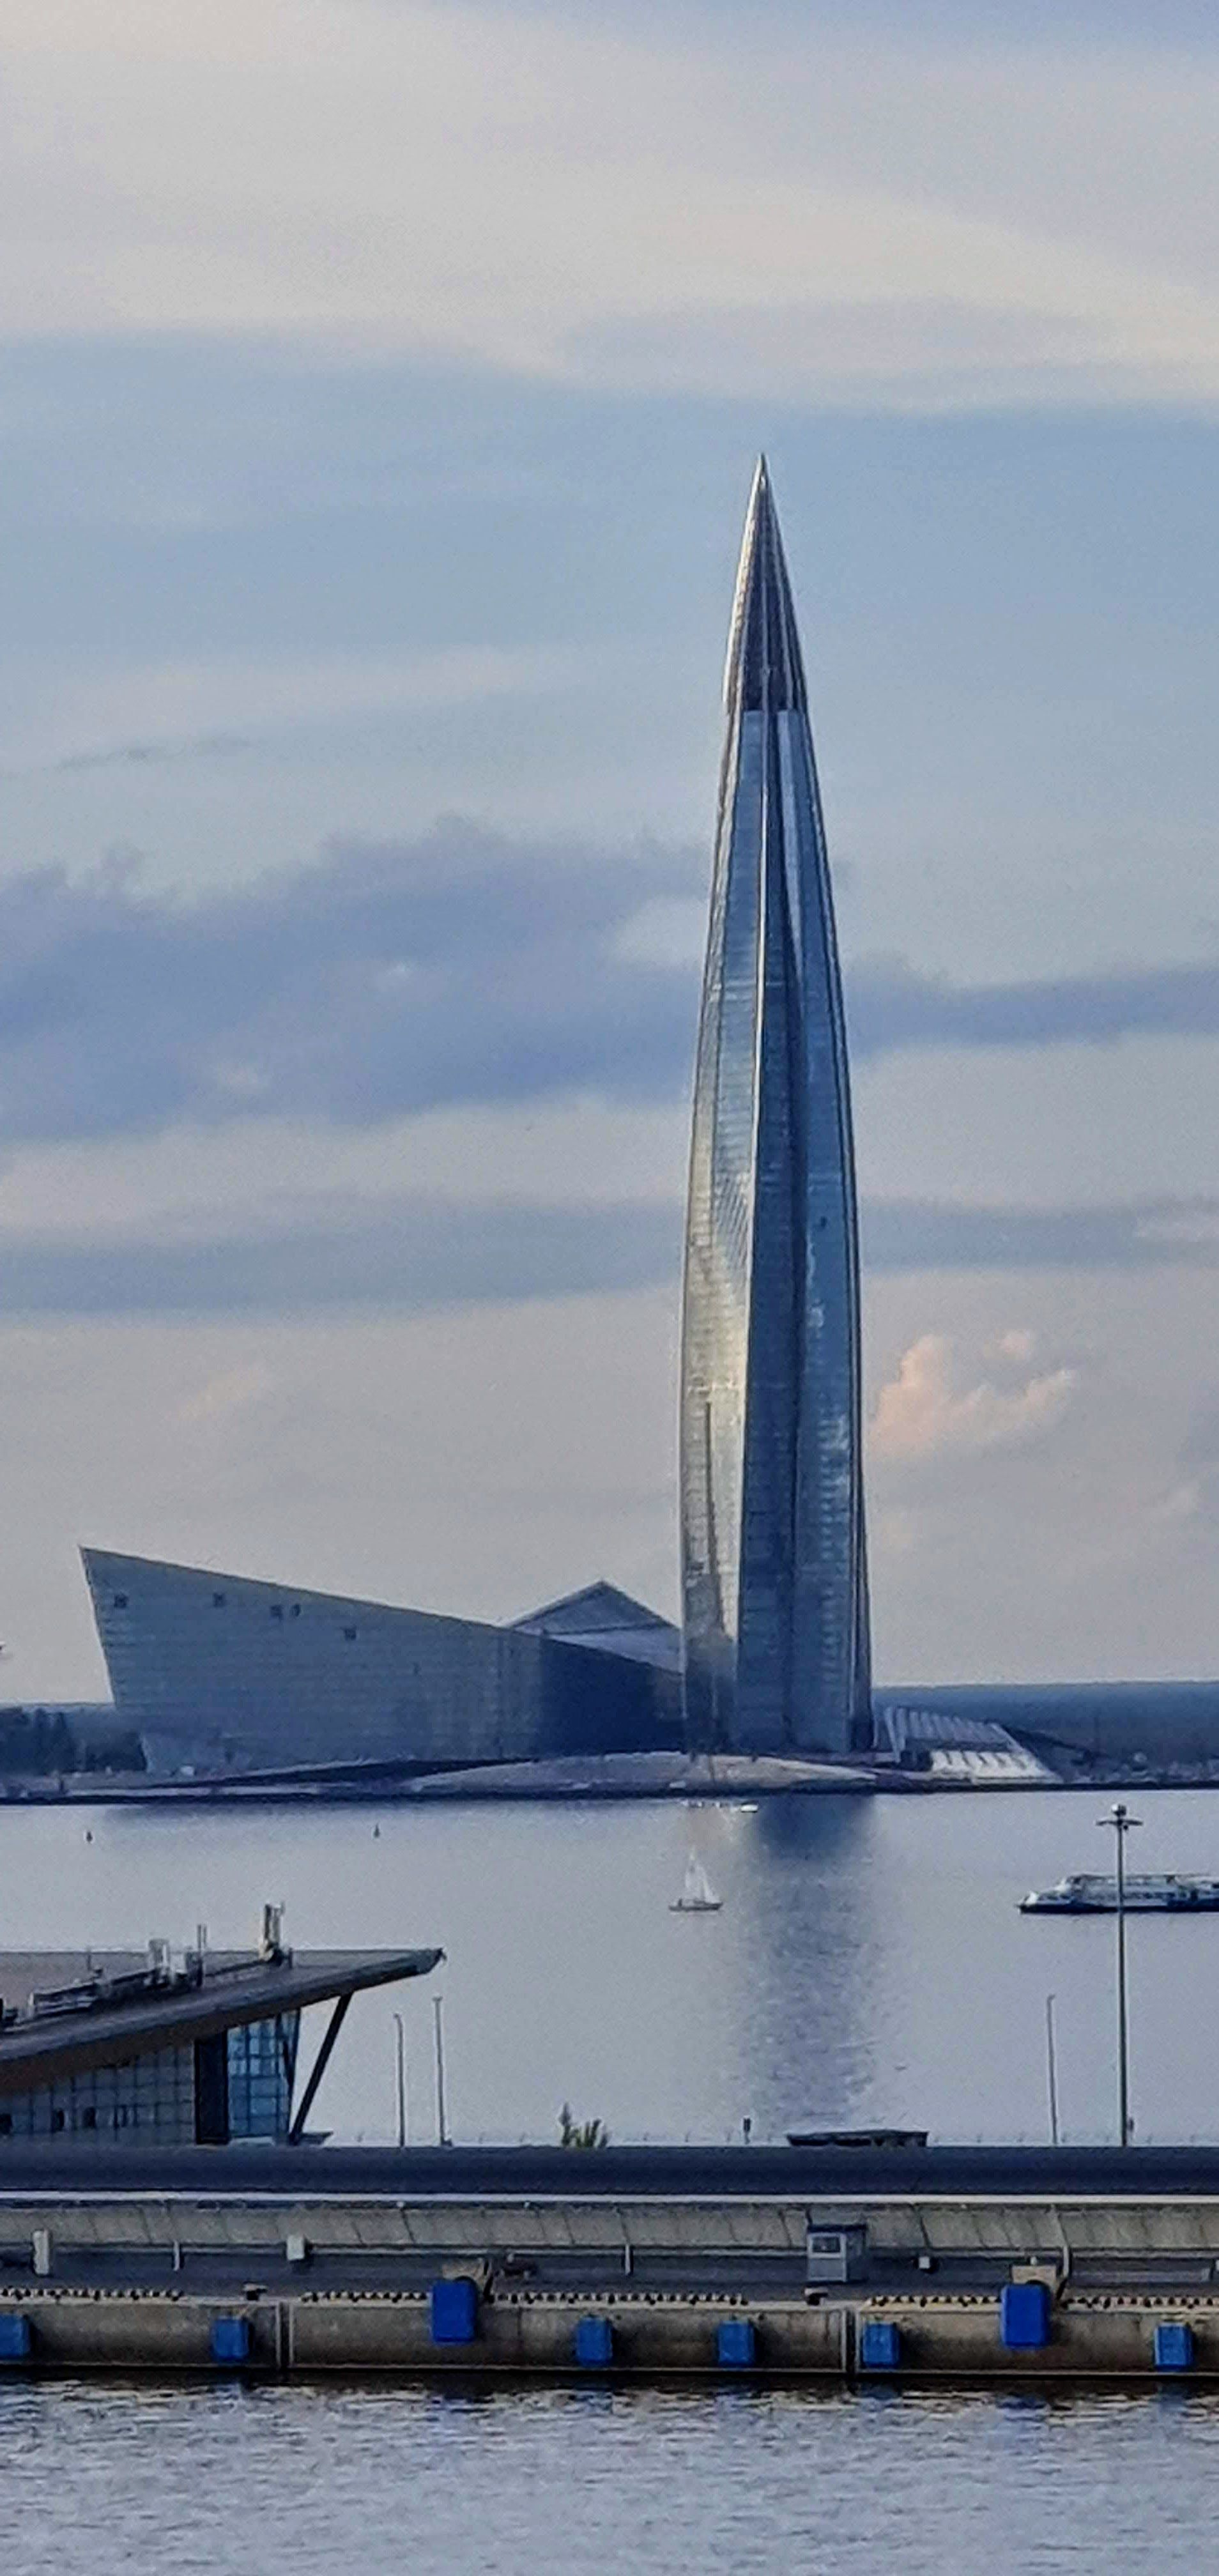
<point>400,2071</point>
<point>442,2126</point>
<point>1121,1822</point>
<point>1051,2068</point>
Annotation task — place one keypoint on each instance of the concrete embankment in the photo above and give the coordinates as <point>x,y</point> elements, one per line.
<point>547,2336</point>
<point>802,2285</point>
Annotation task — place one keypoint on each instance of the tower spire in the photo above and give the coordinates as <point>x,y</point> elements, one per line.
<point>775,1612</point>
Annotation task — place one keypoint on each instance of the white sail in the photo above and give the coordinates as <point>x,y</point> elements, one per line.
<point>697,1894</point>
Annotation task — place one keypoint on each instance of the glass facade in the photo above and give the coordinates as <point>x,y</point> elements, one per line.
<point>774,1580</point>
<point>237,2085</point>
<point>261,2073</point>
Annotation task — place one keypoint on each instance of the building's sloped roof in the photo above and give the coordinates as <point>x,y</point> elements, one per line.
<point>603,1617</point>
<point>237,1987</point>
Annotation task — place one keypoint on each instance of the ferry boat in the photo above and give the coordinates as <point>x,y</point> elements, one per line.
<point>1155,1892</point>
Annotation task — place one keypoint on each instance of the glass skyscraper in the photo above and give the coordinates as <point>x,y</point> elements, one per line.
<point>774,1577</point>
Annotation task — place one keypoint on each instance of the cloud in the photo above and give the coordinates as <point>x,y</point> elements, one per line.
<point>892,1005</point>
<point>923,1412</point>
<point>418,1252</point>
<point>464,967</point>
<point>419,1257</point>
<point>932,1234</point>
<point>836,212</point>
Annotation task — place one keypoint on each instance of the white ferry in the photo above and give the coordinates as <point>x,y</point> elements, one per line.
<point>1157,1892</point>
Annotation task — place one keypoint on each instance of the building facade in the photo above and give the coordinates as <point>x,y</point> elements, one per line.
<point>218,1674</point>
<point>774,1580</point>
<point>115,2048</point>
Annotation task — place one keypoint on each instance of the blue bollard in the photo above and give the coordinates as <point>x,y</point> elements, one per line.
<point>1174,2347</point>
<point>1024,2316</point>
<point>454,2311</point>
<point>736,2343</point>
<point>594,2343</point>
<point>880,2345</point>
<point>230,2340</point>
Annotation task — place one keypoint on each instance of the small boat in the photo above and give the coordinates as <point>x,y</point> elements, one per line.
<point>697,1894</point>
<point>1155,1892</point>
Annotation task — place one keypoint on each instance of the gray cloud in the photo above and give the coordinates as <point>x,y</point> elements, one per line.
<point>425,1253</point>
<point>459,968</point>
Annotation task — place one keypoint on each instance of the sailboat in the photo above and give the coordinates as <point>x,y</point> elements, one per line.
<point>697,1893</point>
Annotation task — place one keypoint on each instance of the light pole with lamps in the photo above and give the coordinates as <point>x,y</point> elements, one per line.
<point>400,2072</point>
<point>1051,2069</point>
<point>1121,1822</point>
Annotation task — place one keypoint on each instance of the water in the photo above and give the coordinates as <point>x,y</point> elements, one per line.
<point>293,2482</point>
<point>869,1963</point>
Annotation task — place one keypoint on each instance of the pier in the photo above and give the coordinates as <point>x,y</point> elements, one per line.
<point>641,2263</point>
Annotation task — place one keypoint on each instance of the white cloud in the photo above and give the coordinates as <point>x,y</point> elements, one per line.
<point>923,1412</point>
<point>753,212</point>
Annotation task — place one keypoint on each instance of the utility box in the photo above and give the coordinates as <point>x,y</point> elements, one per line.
<point>230,2341</point>
<point>1174,2345</point>
<point>296,2248</point>
<point>40,2253</point>
<point>14,2337</point>
<point>594,2343</point>
<point>880,2344</point>
<point>1024,2316</point>
<point>834,2254</point>
<point>455,2310</point>
<point>736,2343</point>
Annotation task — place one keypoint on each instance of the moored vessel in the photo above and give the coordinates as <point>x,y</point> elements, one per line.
<point>1152,1892</point>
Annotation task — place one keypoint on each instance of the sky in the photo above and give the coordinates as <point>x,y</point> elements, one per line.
<point>381,388</point>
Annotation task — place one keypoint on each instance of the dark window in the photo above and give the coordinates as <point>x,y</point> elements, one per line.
<point>277,1610</point>
<point>88,2117</point>
<point>57,2119</point>
<point>295,1610</point>
<point>212,2090</point>
<point>218,1600</point>
<point>6,2124</point>
<point>120,1600</point>
<point>350,1635</point>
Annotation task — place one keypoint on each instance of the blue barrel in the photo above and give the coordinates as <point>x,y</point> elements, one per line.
<point>736,2344</point>
<point>880,2345</point>
<point>454,2311</point>
<point>230,2339</point>
<point>594,2343</point>
<point>1174,2346</point>
<point>1024,2316</point>
<point>14,2337</point>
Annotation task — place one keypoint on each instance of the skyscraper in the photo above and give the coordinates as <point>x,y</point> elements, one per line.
<point>774,1578</point>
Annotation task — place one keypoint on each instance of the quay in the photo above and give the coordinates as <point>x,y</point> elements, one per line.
<point>827,2266</point>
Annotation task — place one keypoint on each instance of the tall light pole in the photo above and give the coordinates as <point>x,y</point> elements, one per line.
<point>400,2071</point>
<point>442,2126</point>
<point>1051,2069</point>
<point>1121,1822</point>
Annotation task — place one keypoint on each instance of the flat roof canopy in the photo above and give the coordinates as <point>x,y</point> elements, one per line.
<point>237,1987</point>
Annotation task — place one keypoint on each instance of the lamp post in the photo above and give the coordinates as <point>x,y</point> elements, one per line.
<point>1121,1822</point>
<point>400,2072</point>
<point>442,2130</point>
<point>1051,2069</point>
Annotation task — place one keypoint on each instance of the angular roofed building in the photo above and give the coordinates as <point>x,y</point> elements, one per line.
<point>220,1674</point>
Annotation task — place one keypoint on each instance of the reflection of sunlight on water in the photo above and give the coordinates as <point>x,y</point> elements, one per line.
<point>868,1963</point>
